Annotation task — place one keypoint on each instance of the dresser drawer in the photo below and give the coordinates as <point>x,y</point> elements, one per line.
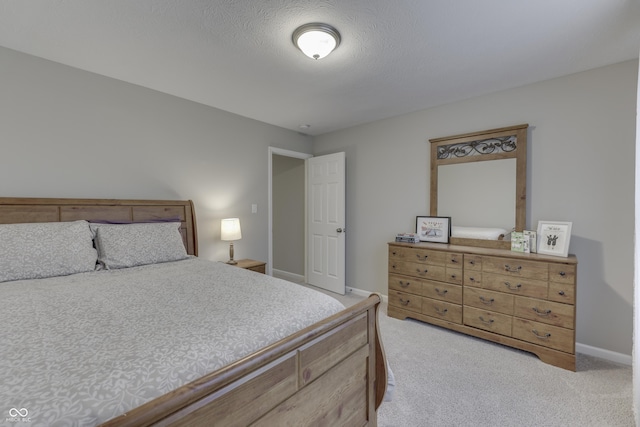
<point>472,278</point>
<point>546,335</point>
<point>453,275</point>
<point>560,292</point>
<point>424,256</point>
<point>472,262</point>
<point>405,301</point>
<point>424,271</point>
<point>442,310</point>
<point>515,285</point>
<point>516,268</point>
<point>562,273</point>
<point>455,260</point>
<point>552,313</point>
<point>442,291</point>
<point>405,284</point>
<point>488,320</point>
<point>489,300</point>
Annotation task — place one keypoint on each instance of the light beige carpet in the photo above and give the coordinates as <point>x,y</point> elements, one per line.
<point>444,378</point>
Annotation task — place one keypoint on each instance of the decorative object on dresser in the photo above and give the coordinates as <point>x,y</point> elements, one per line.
<point>433,228</point>
<point>525,301</point>
<point>253,265</point>
<point>533,240</point>
<point>408,237</point>
<point>519,242</point>
<point>230,231</point>
<point>554,237</point>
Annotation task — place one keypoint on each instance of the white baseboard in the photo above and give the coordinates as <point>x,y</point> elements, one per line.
<point>365,294</point>
<point>612,356</point>
<point>292,277</point>
<point>601,353</point>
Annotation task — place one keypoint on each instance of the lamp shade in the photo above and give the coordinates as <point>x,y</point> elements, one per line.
<point>230,229</point>
<point>316,40</point>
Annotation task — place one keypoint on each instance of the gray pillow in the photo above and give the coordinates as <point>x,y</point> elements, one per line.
<point>47,249</point>
<point>130,245</point>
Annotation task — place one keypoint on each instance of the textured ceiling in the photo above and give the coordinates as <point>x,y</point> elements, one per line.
<point>396,56</point>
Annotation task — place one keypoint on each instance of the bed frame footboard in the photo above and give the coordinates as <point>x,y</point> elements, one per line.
<point>333,372</point>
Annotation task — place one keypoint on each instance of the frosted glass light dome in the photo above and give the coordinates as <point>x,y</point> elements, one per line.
<point>316,40</point>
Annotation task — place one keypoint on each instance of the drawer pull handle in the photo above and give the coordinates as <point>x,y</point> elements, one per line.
<point>512,269</point>
<point>454,261</point>
<point>541,312</point>
<point>562,273</point>
<point>453,277</point>
<point>441,292</point>
<point>486,301</point>
<point>404,301</point>
<point>422,257</point>
<point>394,253</point>
<point>542,337</point>
<point>404,284</point>
<point>488,322</point>
<point>561,293</point>
<point>421,271</point>
<point>441,312</point>
<point>513,288</point>
<point>472,279</point>
<point>472,262</point>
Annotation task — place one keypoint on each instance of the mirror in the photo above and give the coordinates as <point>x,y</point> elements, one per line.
<point>479,180</point>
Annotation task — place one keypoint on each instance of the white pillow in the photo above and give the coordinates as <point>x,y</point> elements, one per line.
<point>46,249</point>
<point>482,233</point>
<point>129,245</point>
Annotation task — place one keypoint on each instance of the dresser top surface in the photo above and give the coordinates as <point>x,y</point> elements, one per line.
<point>571,259</point>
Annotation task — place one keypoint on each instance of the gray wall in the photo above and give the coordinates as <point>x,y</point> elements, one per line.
<point>70,133</point>
<point>288,196</point>
<point>580,169</point>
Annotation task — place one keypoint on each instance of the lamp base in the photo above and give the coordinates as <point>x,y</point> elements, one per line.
<point>231,260</point>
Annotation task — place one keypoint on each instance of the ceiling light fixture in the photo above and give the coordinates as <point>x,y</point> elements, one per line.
<point>316,40</point>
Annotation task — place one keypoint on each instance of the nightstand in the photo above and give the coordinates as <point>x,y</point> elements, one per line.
<point>250,264</point>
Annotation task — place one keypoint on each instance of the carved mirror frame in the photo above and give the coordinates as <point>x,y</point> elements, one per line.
<point>488,145</point>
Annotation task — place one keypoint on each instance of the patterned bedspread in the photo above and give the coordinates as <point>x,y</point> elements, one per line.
<point>81,349</point>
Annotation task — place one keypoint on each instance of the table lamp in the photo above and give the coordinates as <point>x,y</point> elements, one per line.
<point>230,231</point>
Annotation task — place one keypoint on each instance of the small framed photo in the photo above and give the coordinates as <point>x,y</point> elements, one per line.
<point>433,228</point>
<point>554,237</point>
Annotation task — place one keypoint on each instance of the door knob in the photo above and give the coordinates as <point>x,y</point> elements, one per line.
<point>341,230</point>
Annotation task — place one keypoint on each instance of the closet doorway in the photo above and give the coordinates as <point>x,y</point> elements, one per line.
<point>287,214</point>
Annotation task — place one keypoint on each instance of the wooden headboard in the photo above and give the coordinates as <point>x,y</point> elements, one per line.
<point>19,210</point>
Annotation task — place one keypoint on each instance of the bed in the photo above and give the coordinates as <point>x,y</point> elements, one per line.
<point>139,340</point>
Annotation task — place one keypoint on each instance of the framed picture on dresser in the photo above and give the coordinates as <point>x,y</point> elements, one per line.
<point>433,228</point>
<point>554,238</point>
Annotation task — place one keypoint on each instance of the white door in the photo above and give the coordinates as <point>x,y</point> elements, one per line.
<point>326,222</point>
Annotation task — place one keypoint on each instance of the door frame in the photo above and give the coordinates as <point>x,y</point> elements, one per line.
<point>297,155</point>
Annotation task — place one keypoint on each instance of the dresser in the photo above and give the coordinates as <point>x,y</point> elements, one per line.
<point>525,301</point>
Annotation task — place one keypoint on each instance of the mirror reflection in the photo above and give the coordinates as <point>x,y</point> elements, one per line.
<point>478,194</point>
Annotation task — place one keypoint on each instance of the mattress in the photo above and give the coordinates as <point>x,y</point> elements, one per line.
<point>84,348</point>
